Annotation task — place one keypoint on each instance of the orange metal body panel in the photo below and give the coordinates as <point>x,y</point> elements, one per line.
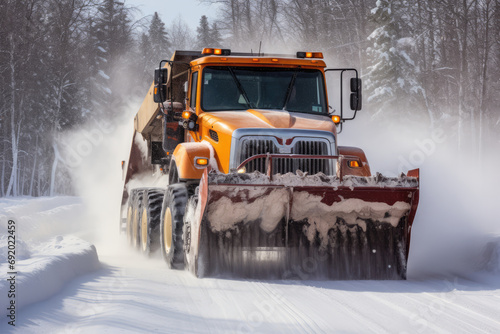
<point>261,61</point>
<point>185,154</point>
<point>363,170</point>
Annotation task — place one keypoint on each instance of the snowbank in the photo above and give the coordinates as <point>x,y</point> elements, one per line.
<point>49,250</point>
<point>41,218</point>
<point>51,266</point>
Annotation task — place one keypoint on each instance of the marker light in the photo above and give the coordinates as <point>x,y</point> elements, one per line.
<point>218,52</point>
<point>186,114</point>
<point>336,119</point>
<point>201,161</point>
<point>242,170</point>
<point>353,164</point>
<point>302,54</point>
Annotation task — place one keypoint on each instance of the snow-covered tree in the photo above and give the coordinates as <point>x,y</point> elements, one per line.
<point>113,42</point>
<point>203,37</point>
<point>216,39</point>
<point>208,36</point>
<point>153,46</point>
<point>158,39</point>
<point>391,80</point>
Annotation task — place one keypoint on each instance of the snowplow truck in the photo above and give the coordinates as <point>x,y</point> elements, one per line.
<point>235,169</point>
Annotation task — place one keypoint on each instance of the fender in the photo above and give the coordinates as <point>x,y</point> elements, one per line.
<point>184,157</point>
<point>363,169</point>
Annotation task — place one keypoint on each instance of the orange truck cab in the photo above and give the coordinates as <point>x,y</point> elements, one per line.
<point>223,108</point>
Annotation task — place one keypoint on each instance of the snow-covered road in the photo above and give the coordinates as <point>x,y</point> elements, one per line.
<point>129,293</point>
<point>135,295</point>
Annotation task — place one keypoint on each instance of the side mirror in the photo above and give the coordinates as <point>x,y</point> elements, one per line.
<point>160,88</point>
<point>355,94</point>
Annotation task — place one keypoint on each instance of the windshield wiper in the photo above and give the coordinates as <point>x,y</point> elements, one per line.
<point>289,90</point>
<point>240,88</point>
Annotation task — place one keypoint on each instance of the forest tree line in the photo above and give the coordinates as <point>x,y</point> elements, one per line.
<point>65,63</point>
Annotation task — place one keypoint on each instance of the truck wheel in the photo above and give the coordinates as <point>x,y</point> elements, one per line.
<point>187,231</point>
<point>150,220</point>
<point>137,197</point>
<point>130,211</point>
<point>195,254</point>
<point>171,221</point>
<point>131,215</point>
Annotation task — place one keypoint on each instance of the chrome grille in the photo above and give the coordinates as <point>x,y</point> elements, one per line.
<point>251,147</point>
<point>310,146</point>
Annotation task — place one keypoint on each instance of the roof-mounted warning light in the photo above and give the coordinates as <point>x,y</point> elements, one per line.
<point>302,54</point>
<point>217,52</point>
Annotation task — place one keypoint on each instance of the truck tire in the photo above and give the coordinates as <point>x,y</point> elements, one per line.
<point>171,222</point>
<point>136,198</point>
<point>195,256</point>
<point>150,220</point>
<point>130,211</point>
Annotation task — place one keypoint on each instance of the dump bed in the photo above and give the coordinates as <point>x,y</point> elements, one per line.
<point>145,120</point>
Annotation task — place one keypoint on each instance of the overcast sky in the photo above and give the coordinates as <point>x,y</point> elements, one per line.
<point>189,10</point>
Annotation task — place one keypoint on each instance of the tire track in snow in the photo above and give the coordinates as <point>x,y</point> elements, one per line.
<point>341,308</point>
<point>427,305</point>
<point>464,311</point>
<point>399,307</point>
<point>343,300</point>
<point>291,312</point>
<point>450,299</point>
<point>198,297</point>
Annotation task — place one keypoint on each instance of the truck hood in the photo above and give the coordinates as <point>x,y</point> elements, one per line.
<point>228,121</point>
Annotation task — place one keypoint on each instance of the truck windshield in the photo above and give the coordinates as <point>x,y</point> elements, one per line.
<point>242,88</point>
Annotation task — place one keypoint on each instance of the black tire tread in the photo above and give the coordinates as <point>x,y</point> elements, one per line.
<point>175,198</point>
<point>135,201</point>
<point>153,199</point>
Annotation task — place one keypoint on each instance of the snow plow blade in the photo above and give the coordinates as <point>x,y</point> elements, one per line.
<point>355,229</point>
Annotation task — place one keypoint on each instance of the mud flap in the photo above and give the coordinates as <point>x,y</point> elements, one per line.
<point>304,232</point>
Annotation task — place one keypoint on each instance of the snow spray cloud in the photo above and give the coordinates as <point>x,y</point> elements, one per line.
<point>93,155</point>
<point>81,147</point>
<point>455,218</point>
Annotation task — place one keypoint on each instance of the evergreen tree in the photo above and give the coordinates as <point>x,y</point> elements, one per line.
<point>216,38</point>
<point>158,39</point>
<point>113,41</point>
<point>203,37</point>
<point>391,82</point>
<point>153,46</point>
<point>147,62</point>
<point>208,36</point>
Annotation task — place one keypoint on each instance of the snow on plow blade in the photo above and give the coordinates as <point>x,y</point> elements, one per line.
<point>304,227</point>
